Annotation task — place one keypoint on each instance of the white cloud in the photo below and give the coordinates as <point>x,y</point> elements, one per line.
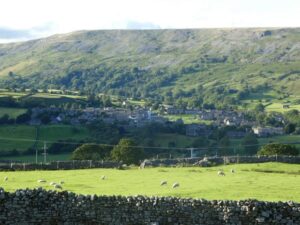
<point>67,15</point>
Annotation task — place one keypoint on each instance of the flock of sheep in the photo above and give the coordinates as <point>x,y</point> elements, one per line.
<point>53,184</point>
<point>162,183</point>
<point>222,173</point>
<point>59,185</point>
<point>176,184</point>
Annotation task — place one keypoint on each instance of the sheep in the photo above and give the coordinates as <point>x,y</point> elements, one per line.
<point>103,177</point>
<point>57,186</point>
<point>221,173</point>
<point>232,171</point>
<point>164,182</point>
<point>175,185</point>
<point>53,183</point>
<point>41,181</point>
<point>62,182</point>
<point>5,178</point>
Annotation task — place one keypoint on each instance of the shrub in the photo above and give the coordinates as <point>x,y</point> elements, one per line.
<point>127,152</point>
<point>278,149</point>
<point>91,152</point>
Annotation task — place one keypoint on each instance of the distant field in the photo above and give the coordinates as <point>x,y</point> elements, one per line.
<point>49,95</point>
<point>47,98</point>
<point>21,137</point>
<point>12,94</point>
<point>62,132</point>
<point>282,139</point>
<point>163,140</point>
<point>187,119</point>
<point>278,107</point>
<point>236,143</point>
<point>12,112</point>
<point>268,181</point>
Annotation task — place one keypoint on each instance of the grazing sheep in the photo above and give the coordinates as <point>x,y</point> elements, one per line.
<point>53,183</point>
<point>57,186</point>
<point>41,181</point>
<point>232,171</point>
<point>164,182</point>
<point>62,182</point>
<point>221,173</point>
<point>175,185</point>
<point>103,177</point>
<point>5,178</point>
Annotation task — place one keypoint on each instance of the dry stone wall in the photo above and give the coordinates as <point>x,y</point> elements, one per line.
<point>213,161</point>
<point>32,207</point>
<point>59,165</point>
<point>87,164</point>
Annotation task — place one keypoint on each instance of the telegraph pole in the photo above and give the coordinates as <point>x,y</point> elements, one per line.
<point>192,152</point>
<point>45,152</point>
<point>36,155</point>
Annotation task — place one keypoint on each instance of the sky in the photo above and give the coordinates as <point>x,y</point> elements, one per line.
<point>30,19</point>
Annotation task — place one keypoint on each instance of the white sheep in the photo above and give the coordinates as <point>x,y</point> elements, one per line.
<point>57,186</point>
<point>41,181</point>
<point>103,177</point>
<point>164,182</point>
<point>52,183</point>
<point>175,185</point>
<point>221,173</point>
<point>5,178</point>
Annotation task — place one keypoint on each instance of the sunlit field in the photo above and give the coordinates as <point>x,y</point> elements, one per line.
<point>268,181</point>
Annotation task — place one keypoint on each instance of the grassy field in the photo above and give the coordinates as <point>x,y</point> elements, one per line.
<point>188,119</point>
<point>54,133</point>
<point>163,140</point>
<point>21,137</point>
<point>12,112</point>
<point>278,107</point>
<point>15,95</point>
<point>268,181</point>
<point>57,96</point>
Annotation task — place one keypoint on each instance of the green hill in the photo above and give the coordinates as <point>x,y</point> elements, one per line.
<point>219,66</point>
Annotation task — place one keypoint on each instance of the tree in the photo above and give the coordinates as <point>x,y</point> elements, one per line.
<point>200,142</point>
<point>278,149</point>
<point>224,144</point>
<point>127,152</point>
<point>45,119</point>
<point>289,128</point>
<point>259,107</point>
<point>4,119</point>
<point>250,144</point>
<point>23,118</point>
<point>91,152</point>
<point>62,146</point>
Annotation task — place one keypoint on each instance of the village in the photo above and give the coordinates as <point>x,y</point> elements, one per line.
<point>205,121</point>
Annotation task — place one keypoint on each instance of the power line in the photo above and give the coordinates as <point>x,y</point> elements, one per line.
<point>138,146</point>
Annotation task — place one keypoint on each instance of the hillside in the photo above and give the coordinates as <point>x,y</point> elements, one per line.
<point>220,66</point>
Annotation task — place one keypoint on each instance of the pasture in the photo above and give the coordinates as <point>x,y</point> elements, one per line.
<point>267,181</point>
<point>11,112</point>
<point>188,119</point>
<point>22,137</point>
<point>278,107</point>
